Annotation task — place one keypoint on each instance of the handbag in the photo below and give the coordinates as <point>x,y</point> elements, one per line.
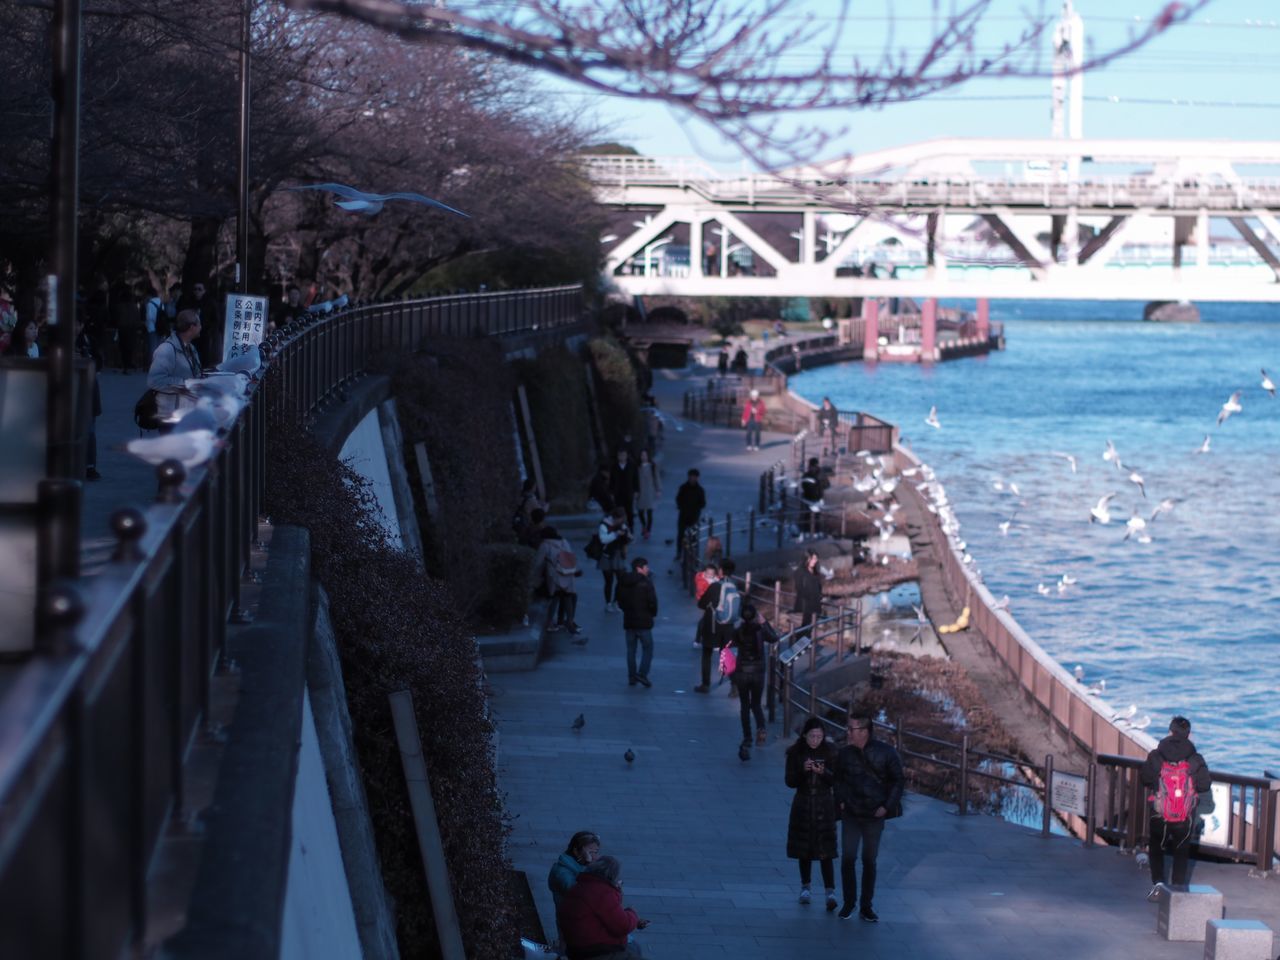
<point>146,412</point>
<point>728,661</point>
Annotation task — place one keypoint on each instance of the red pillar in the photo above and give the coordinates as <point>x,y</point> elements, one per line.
<point>929,330</point>
<point>870,329</point>
<point>984,319</point>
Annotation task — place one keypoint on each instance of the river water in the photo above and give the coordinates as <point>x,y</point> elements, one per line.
<point>1188,623</point>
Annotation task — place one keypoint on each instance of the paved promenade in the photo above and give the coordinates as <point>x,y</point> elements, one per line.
<point>701,835</point>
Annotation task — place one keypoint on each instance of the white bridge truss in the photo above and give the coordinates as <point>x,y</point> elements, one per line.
<point>1134,225</point>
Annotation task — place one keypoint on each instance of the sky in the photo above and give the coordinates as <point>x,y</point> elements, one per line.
<point>1214,77</point>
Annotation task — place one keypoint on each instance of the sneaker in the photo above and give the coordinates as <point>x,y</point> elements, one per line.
<point>762,737</point>
<point>644,680</point>
<point>1154,894</point>
<point>631,681</point>
<point>805,896</point>
<point>702,688</point>
<point>831,901</point>
<point>575,629</point>
<point>846,911</point>
<point>868,915</point>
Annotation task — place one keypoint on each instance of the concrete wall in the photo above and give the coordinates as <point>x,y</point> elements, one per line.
<point>318,919</point>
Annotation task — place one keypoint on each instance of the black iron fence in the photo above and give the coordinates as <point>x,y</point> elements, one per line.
<point>96,725</point>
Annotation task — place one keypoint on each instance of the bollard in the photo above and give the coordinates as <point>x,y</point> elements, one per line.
<point>129,525</point>
<point>171,475</point>
<point>1048,803</point>
<point>964,775</point>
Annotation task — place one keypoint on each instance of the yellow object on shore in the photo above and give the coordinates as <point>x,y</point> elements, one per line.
<point>962,623</point>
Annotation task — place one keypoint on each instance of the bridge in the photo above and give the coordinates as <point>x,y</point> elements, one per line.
<point>1024,218</point>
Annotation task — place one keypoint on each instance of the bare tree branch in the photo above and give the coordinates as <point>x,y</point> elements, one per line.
<point>727,65</point>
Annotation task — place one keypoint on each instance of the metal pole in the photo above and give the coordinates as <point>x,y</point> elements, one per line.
<point>964,775</point>
<point>1048,787</point>
<point>242,186</point>
<point>1091,817</point>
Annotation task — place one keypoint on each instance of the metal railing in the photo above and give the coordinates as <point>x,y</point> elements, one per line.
<point>95,728</point>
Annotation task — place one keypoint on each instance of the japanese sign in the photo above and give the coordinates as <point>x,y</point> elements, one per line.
<point>1069,793</point>
<point>246,322</point>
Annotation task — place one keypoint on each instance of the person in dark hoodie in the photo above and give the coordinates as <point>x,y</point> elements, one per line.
<point>1179,783</point>
<point>638,601</point>
<point>808,583</point>
<point>868,784</point>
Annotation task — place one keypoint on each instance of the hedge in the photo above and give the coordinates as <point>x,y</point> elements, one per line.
<point>617,391</point>
<point>555,383</point>
<point>398,629</point>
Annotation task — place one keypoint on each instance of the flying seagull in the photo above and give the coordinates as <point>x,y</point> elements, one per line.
<point>932,418</point>
<point>1134,527</point>
<point>1267,383</point>
<point>1067,457</point>
<point>1136,477</point>
<point>1111,454</point>
<point>1101,513</point>
<point>1204,447</point>
<point>357,201</point>
<point>1164,506</point>
<point>1231,406</point>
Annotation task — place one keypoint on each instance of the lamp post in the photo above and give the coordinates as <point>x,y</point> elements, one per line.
<point>242,185</point>
<point>58,495</point>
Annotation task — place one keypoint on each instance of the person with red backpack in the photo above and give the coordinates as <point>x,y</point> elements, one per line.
<point>1178,784</point>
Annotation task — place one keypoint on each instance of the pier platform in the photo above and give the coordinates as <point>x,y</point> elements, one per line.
<point>701,835</point>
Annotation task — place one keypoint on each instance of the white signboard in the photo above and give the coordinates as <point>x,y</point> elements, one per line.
<point>1069,793</point>
<point>246,322</point>
<point>1215,824</point>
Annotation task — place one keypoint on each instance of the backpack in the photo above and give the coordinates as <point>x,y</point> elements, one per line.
<point>729,606</point>
<point>595,549</point>
<point>1175,798</point>
<point>566,563</point>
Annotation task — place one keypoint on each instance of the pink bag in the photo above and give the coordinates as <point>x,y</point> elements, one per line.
<point>728,661</point>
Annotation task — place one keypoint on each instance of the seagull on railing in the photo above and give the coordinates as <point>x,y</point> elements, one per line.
<point>190,449</point>
<point>357,201</point>
<point>1128,713</point>
<point>247,361</point>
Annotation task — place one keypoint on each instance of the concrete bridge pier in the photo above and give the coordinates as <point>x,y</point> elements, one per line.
<point>984,319</point>
<point>929,331</point>
<point>870,329</point>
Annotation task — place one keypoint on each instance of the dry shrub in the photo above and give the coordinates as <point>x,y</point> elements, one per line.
<point>557,389</point>
<point>935,698</point>
<point>398,630</point>
<point>618,392</point>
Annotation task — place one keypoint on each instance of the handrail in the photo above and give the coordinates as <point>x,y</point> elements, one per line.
<point>93,742</point>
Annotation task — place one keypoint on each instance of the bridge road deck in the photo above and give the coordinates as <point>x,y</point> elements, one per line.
<point>701,835</point>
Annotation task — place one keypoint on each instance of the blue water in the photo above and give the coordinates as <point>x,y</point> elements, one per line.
<point>1185,624</point>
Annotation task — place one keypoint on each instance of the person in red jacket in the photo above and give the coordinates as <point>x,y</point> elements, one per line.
<point>592,919</point>
<point>753,419</point>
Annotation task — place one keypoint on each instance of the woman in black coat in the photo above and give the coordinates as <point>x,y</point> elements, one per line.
<point>811,831</point>
<point>808,582</point>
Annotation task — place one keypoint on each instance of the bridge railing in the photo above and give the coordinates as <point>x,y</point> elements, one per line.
<point>95,728</point>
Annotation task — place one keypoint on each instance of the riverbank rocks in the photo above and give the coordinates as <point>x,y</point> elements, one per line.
<point>1171,311</point>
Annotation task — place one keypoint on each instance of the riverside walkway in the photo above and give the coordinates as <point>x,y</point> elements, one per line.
<point>701,835</point>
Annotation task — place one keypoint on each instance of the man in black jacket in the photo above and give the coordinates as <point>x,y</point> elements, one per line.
<point>624,480</point>
<point>638,601</point>
<point>1174,820</point>
<point>691,500</point>
<point>868,785</point>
